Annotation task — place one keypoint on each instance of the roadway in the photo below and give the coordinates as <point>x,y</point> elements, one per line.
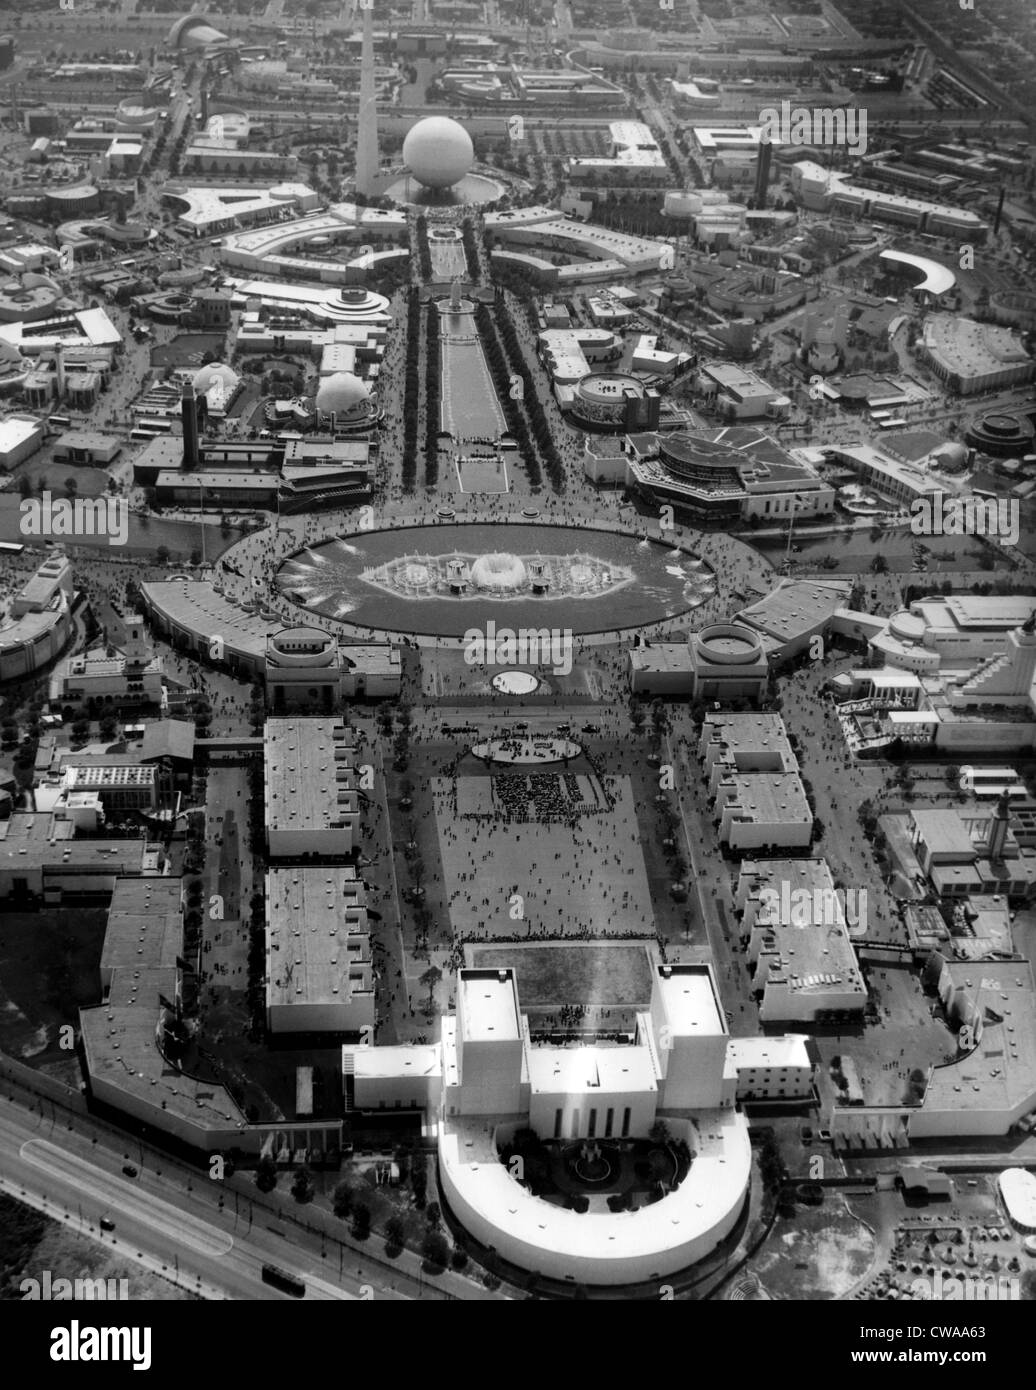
<point>204,1236</point>
<point>710,879</point>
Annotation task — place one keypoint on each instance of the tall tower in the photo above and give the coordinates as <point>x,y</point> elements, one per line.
<point>136,649</point>
<point>59,371</point>
<point>762,173</point>
<point>189,416</point>
<point>999,828</point>
<point>367,120</point>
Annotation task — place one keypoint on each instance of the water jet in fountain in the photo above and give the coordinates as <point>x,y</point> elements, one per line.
<point>499,572</point>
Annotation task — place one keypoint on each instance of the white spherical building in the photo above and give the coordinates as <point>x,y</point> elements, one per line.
<point>207,377</point>
<point>345,396</point>
<point>438,151</point>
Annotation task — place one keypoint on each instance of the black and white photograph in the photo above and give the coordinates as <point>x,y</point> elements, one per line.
<point>517,674</point>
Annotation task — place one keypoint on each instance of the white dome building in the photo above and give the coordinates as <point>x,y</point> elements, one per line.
<point>346,397</point>
<point>951,457</point>
<point>438,151</point>
<point>206,378</point>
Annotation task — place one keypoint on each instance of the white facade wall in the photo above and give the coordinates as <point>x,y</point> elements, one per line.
<point>774,1083</point>
<point>349,1015</point>
<point>577,1121</point>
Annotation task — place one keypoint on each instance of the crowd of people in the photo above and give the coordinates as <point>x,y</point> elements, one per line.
<point>551,797</point>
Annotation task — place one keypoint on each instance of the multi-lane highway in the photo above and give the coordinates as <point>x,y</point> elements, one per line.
<point>170,1219</point>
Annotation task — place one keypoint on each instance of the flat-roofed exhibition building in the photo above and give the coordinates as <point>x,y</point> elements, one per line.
<point>318,959</point>
<point>311,802</point>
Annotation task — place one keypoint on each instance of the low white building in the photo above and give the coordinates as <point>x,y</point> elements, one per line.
<point>795,930</point>
<point>312,804</point>
<point>133,676</point>
<point>319,977</point>
<point>773,1068</point>
<point>763,811</point>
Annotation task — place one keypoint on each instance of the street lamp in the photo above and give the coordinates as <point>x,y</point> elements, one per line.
<point>201,517</point>
<point>791,531</point>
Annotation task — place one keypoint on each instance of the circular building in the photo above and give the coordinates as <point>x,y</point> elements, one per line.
<point>194,31</point>
<point>951,457</point>
<point>729,662</point>
<point>216,372</point>
<point>347,398</point>
<point>14,368</point>
<point>137,113</point>
<point>67,201</point>
<point>28,297</point>
<point>614,402</point>
<point>438,151</point>
<point>1002,433</point>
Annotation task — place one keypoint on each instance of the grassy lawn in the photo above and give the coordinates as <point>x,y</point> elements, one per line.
<point>31,1243</point>
<point>187,349</point>
<point>816,1254</point>
<point>855,550</point>
<point>90,482</point>
<point>555,974</point>
<point>49,969</point>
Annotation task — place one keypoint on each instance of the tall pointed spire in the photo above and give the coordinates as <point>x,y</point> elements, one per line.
<point>367,121</point>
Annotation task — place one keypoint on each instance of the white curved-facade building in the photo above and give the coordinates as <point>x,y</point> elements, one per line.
<point>35,627</point>
<point>356,239</point>
<point>602,1247</point>
<point>1018,1191</point>
<point>490,1078</point>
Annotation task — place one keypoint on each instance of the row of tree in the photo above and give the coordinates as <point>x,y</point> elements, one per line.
<point>424,255</point>
<point>509,397</point>
<point>533,403</point>
<point>431,396</point>
<point>411,388</point>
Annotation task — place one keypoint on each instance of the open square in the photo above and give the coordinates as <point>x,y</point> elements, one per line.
<point>503,878</point>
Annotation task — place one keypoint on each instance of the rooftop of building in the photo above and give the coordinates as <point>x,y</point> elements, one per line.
<point>309,784</point>
<point>1000,1074</point>
<point>747,731</point>
<point>172,738</point>
<point>945,832</point>
<point>316,935</point>
<point>688,996</point>
<point>119,1043</point>
<point>813,955</point>
<point>662,656</point>
<point>32,841</point>
<point>193,604</point>
<point>405,1059</point>
<point>576,1071</point>
<point>767,798</point>
<point>144,929</point>
<point>487,1005</point>
<point>784,1050</point>
<point>88,778</point>
<point>795,607</point>
<point>971,348</point>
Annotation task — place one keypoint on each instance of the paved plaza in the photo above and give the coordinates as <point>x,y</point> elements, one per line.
<point>590,879</point>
